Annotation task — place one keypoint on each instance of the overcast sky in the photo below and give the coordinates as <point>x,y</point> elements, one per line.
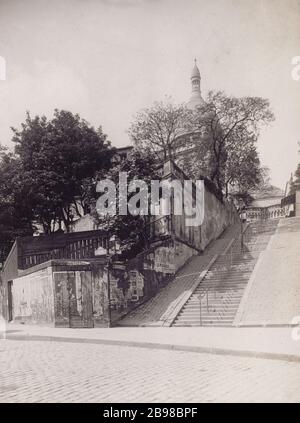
<point>106,59</point>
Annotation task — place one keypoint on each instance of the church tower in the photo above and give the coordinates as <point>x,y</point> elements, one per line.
<point>196,98</point>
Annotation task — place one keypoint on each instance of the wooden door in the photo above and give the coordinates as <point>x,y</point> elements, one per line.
<point>73,299</point>
<point>87,300</point>
<point>81,303</point>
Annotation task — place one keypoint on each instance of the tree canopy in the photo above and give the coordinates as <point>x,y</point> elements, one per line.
<point>158,127</point>
<point>232,126</point>
<point>218,139</point>
<point>52,161</point>
<point>131,230</point>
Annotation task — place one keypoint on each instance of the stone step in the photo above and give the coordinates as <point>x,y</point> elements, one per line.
<point>227,275</point>
<point>234,261</point>
<point>221,297</point>
<point>218,291</point>
<point>224,282</point>
<point>220,306</point>
<point>234,258</point>
<point>232,269</point>
<point>212,312</point>
<point>233,272</point>
<point>204,323</point>
<point>207,317</point>
<point>210,319</point>
<point>212,300</point>
<point>232,293</point>
<point>216,296</point>
<point>225,279</point>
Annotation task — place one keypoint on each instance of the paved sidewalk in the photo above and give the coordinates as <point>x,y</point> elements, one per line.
<point>268,342</point>
<point>273,294</point>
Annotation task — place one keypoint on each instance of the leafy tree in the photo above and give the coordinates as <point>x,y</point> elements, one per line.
<point>217,140</point>
<point>265,179</point>
<point>231,127</point>
<point>131,230</point>
<point>157,128</point>
<point>16,217</point>
<point>242,167</point>
<point>56,158</point>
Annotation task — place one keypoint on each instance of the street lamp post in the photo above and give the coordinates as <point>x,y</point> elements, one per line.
<point>241,215</point>
<point>108,261</point>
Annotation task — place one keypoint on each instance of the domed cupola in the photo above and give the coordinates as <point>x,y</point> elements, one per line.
<point>196,98</point>
<point>195,72</point>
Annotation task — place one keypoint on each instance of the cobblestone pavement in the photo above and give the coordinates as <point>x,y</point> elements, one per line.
<point>36,371</point>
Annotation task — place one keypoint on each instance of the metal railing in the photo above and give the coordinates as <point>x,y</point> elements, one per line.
<point>74,246</point>
<point>209,292</point>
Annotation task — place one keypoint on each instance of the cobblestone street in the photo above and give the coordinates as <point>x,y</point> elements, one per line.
<point>36,371</point>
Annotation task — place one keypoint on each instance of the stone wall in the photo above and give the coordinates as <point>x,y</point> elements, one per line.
<point>8,273</point>
<point>33,298</point>
<point>139,279</point>
<point>3,299</point>
<point>62,293</point>
<point>217,213</point>
<point>218,216</point>
<point>66,293</point>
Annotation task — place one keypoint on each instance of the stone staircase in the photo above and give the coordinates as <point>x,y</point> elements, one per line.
<point>216,299</point>
<point>157,310</point>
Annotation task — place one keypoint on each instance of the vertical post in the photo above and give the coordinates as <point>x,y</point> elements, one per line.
<point>200,309</point>
<point>207,300</point>
<point>108,294</point>
<point>69,299</point>
<point>241,206</point>
<point>108,282</point>
<point>242,235</point>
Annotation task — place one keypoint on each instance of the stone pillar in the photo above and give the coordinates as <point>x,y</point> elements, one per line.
<point>297,204</point>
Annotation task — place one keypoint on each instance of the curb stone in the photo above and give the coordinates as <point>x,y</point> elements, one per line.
<point>161,346</point>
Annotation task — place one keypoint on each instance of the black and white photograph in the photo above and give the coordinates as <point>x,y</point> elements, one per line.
<point>149,204</point>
